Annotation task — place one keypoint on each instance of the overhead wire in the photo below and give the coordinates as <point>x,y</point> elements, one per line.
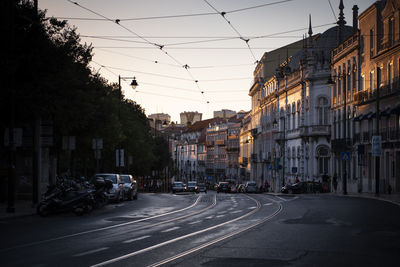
<point>234,28</point>
<point>333,11</point>
<point>117,21</point>
<point>177,15</point>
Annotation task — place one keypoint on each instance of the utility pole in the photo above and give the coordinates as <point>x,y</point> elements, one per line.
<point>377,158</point>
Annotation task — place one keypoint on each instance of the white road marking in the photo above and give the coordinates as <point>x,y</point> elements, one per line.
<point>281,198</point>
<point>210,217</point>
<point>196,222</point>
<point>267,204</point>
<point>219,216</point>
<point>113,260</point>
<point>135,239</point>
<point>251,208</point>
<point>170,229</point>
<point>221,212</point>
<point>230,209</point>
<point>236,211</point>
<point>90,252</point>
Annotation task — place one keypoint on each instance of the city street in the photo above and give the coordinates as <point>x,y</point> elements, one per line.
<point>211,230</point>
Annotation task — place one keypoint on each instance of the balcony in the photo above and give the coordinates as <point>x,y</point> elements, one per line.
<point>210,143</point>
<point>279,136</point>
<point>254,157</point>
<point>366,137</point>
<point>341,145</point>
<point>315,130</point>
<point>232,149</point>
<point>220,142</point>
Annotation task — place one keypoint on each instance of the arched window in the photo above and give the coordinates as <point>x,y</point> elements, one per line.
<point>323,159</point>
<point>323,110</point>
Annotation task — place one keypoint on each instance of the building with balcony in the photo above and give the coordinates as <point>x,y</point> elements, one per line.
<point>367,71</point>
<point>303,107</point>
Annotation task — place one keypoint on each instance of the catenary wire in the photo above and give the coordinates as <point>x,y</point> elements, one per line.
<point>117,21</point>
<point>178,15</point>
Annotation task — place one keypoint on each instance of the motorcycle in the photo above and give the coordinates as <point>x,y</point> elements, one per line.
<point>66,196</point>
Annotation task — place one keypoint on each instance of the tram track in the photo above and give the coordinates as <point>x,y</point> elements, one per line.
<point>123,224</point>
<point>196,233</point>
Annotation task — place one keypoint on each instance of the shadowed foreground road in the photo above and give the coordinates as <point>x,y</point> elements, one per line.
<point>211,230</point>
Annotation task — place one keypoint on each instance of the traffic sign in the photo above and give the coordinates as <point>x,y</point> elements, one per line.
<point>345,155</point>
<point>376,150</point>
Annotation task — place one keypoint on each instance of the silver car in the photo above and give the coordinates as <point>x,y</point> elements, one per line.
<point>116,193</point>
<point>250,187</point>
<point>129,186</point>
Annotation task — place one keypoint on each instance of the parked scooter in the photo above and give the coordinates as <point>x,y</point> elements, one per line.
<point>66,196</point>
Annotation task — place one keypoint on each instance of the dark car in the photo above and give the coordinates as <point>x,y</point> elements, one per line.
<point>129,186</point>
<point>202,187</point>
<point>223,187</point>
<point>192,187</point>
<point>178,187</point>
<point>250,187</point>
<point>302,187</point>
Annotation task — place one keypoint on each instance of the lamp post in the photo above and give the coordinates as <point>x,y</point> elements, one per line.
<point>133,84</point>
<point>345,147</point>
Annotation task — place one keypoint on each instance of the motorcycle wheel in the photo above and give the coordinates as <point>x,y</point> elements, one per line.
<point>43,210</point>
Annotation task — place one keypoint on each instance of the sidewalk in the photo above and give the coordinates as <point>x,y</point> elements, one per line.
<point>392,198</point>
<point>22,208</point>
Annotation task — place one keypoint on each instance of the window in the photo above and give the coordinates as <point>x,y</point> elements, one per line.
<point>323,109</point>
<point>323,160</point>
<point>371,80</point>
<point>371,41</point>
<point>379,76</point>
<point>390,75</point>
<point>362,82</point>
<point>391,31</point>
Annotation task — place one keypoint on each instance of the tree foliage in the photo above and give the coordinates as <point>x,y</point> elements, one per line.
<point>50,77</point>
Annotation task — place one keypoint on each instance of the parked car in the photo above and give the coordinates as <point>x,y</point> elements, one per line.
<point>302,187</point>
<point>178,187</point>
<point>129,186</point>
<point>202,187</point>
<point>116,193</point>
<point>250,187</point>
<point>192,187</point>
<point>223,187</point>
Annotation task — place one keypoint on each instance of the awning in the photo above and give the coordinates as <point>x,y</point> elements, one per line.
<point>370,115</point>
<point>359,117</point>
<point>386,112</point>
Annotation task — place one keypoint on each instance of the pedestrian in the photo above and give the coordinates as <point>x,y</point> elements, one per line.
<point>335,181</point>
<point>266,186</point>
<point>297,179</point>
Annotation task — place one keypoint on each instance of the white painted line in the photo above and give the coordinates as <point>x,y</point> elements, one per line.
<point>196,222</point>
<point>221,212</point>
<point>230,209</point>
<point>210,217</point>
<point>267,204</point>
<point>220,216</point>
<point>113,260</point>
<point>90,252</point>
<point>251,208</point>
<point>136,239</point>
<point>170,229</point>
<point>281,198</point>
<point>236,211</point>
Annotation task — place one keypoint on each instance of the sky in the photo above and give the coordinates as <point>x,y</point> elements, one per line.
<point>184,54</point>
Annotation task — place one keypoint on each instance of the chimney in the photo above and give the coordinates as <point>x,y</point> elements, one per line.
<point>355,15</point>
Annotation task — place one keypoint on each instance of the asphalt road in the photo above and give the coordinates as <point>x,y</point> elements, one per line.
<point>211,230</point>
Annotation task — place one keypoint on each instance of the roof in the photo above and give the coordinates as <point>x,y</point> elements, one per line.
<point>200,125</point>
